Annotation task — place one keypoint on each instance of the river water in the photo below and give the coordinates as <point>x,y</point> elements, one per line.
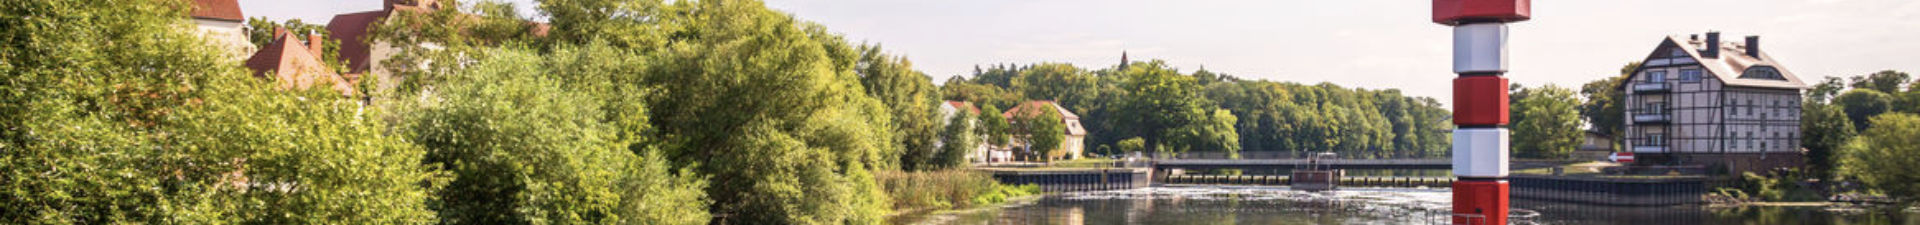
<point>1278,205</point>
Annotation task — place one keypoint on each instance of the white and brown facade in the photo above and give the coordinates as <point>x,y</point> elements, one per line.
<point>1697,101</point>
<point>220,22</point>
<point>1073,145</point>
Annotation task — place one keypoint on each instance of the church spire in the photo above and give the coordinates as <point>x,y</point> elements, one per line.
<point>1123,60</point>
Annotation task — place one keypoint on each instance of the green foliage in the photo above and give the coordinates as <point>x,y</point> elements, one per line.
<point>1884,157</point>
<point>983,95</point>
<point>1603,108</point>
<point>1824,129</point>
<point>1825,90</point>
<point>994,127</point>
<point>1862,104</point>
<point>1214,134</point>
<point>131,120</point>
<point>1041,128</point>
<point>947,189</point>
<point>1063,83</point>
<point>1131,145</point>
<point>958,139</point>
<point>912,100</point>
<point>632,24</point>
<point>1546,124</point>
<point>1885,81</point>
<point>1782,186</point>
<point>526,149</point>
<point>760,104</point>
<point>1160,101</point>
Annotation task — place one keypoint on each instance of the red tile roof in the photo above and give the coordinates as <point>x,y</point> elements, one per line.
<point>218,10</point>
<point>349,29</point>
<point>964,105</point>
<point>294,65</point>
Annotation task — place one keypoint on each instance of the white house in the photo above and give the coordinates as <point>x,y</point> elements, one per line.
<point>1076,135</point>
<point>221,22</point>
<point>983,153</point>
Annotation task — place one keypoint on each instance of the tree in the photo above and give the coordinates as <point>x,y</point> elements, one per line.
<point>911,99</point>
<point>1824,129</point>
<point>1545,123</point>
<point>1603,108</point>
<point>1133,144</point>
<point>769,111</point>
<point>1215,134</point>
<point>1825,90</point>
<point>1040,127</point>
<point>1885,81</point>
<point>524,148</point>
<point>993,127</point>
<point>1160,101</point>
<point>632,24</point>
<point>154,128</point>
<point>957,139</point>
<point>1070,86</point>
<point>1861,104</point>
<point>1884,156</point>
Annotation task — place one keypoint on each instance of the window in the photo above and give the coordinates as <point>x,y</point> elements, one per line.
<point>1762,72</point>
<point>1656,76</point>
<point>1690,75</point>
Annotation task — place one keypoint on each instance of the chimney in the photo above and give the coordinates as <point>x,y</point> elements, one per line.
<point>315,44</point>
<point>1753,46</point>
<point>1713,45</point>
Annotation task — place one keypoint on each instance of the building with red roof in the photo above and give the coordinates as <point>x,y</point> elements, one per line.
<point>221,22</point>
<point>296,65</point>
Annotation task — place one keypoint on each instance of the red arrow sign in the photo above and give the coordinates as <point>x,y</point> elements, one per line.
<point>1621,157</point>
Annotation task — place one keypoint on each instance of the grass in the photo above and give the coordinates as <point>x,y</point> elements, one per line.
<point>949,189</point>
<point>1089,162</point>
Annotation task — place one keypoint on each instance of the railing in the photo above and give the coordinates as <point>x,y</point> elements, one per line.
<point>1302,154</point>
<point>1651,87</point>
<point>1652,116</point>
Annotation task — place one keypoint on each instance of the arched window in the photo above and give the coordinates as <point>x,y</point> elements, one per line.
<point>1762,72</point>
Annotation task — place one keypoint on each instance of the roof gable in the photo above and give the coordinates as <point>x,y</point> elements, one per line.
<point>294,65</point>
<point>1727,68</point>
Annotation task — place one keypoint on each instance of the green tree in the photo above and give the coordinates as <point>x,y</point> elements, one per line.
<point>1070,86</point>
<point>1160,102</point>
<point>1042,129</point>
<point>1603,108</point>
<point>1861,104</point>
<point>993,127</point>
<point>957,139</point>
<point>769,110</point>
<point>1134,144</point>
<point>634,24</point>
<point>526,149</point>
<point>1215,134</point>
<point>1545,123</point>
<point>132,120</point>
<point>1824,129</point>
<point>1826,90</point>
<point>1883,157</point>
<point>1885,81</point>
<point>912,100</point>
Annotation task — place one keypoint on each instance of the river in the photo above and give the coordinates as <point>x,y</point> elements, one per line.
<point>1278,205</point>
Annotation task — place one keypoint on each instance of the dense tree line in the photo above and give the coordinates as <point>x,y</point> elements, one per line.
<point>1150,107</point>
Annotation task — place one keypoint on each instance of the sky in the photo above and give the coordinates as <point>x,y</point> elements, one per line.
<point>1374,44</point>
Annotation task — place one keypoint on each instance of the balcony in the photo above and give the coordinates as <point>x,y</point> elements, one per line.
<point>1651,87</point>
<point>1652,117</point>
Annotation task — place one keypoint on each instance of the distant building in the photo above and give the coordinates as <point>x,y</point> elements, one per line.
<point>1075,142</point>
<point>296,64</point>
<point>221,22</point>
<point>1595,141</point>
<point>1705,102</point>
<point>983,152</point>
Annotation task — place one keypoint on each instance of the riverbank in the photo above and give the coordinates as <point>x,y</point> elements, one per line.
<point>947,216</point>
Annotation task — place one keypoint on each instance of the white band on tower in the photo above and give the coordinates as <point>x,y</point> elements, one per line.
<point>1480,48</point>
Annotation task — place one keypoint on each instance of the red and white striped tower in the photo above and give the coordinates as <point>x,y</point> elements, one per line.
<point>1480,104</point>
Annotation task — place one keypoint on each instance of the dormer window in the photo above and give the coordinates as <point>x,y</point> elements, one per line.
<point>1762,72</point>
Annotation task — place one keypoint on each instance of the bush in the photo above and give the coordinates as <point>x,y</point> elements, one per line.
<point>947,189</point>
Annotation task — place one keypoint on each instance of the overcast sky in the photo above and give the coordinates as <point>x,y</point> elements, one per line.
<point>1375,44</point>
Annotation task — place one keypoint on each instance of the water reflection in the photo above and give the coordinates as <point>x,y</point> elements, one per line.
<point>1277,205</point>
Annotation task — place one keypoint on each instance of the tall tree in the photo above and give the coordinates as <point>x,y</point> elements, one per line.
<point>1826,90</point>
<point>1824,129</point>
<point>1545,124</point>
<point>759,105</point>
<point>1861,104</point>
<point>993,127</point>
<point>911,99</point>
<point>1160,102</point>
<point>1603,108</point>
<point>1071,86</point>
<point>958,138</point>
